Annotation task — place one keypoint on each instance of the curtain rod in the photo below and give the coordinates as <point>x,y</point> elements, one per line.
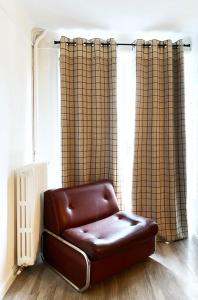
<point>124,44</point>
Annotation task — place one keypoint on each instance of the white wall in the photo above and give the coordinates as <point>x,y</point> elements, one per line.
<point>15,131</point>
<point>48,143</point>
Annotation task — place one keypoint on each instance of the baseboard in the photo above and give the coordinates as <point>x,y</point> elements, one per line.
<point>7,283</point>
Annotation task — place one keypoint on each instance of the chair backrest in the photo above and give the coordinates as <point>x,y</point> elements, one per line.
<point>71,207</point>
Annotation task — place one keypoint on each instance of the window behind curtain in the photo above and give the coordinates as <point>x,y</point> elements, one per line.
<point>126,86</point>
<point>191,110</point>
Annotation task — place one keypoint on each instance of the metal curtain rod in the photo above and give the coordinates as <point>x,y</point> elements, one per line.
<point>124,44</point>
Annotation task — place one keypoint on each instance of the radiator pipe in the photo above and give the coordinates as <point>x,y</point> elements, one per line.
<point>39,35</point>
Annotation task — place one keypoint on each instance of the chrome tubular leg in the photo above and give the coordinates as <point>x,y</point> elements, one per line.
<point>87,282</point>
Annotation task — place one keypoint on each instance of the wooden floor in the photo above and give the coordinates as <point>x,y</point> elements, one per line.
<point>171,274</point>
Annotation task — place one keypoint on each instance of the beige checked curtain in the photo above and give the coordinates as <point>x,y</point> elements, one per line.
<point>88,111</point>
<point>159,176</point>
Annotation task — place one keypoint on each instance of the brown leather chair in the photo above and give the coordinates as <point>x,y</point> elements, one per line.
<point>87,239</point>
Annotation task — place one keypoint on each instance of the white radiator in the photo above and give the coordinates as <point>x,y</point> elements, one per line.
<point>31,183</point>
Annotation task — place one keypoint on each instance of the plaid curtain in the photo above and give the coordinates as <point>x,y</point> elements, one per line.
<point>159,177</point>
<point>88,111</point>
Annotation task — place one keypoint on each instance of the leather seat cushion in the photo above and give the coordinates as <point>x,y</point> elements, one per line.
<point>109,235</point>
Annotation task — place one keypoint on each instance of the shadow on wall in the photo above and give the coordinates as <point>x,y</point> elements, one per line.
<point>11,246</point>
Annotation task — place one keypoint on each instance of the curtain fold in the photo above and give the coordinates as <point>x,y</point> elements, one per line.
<point>88,111</point>
<point>159,173</point>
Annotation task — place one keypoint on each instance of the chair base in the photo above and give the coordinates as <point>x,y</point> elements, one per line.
<point>60,263</point>
<point>73,264</point>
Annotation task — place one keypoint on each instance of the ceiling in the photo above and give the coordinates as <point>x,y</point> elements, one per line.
<point>121,18</point>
